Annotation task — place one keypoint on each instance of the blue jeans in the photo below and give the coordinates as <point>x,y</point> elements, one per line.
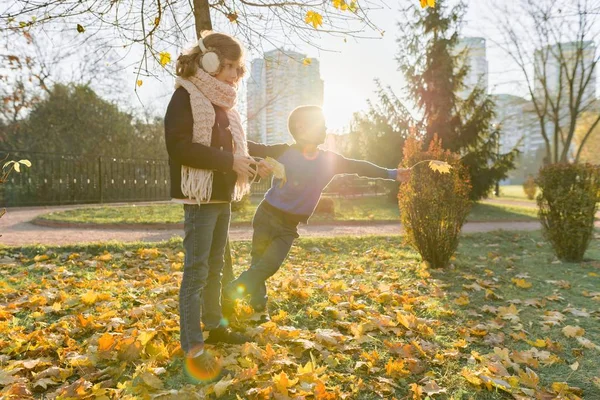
<point>206,228</point>
<point>271,242</point>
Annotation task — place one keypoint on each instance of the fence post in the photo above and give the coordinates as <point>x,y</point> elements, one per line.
<point>100,178</point>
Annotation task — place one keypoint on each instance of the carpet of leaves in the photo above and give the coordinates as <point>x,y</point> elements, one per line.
<point>352,318</point>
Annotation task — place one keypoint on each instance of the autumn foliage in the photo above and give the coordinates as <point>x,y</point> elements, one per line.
<point>567,207</point>
<point>433,205</point>
<point>529,187</point>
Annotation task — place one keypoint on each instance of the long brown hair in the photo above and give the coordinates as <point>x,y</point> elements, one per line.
<point>225,46</point>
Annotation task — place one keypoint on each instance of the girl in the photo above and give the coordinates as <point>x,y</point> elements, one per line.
<point>209,167</point>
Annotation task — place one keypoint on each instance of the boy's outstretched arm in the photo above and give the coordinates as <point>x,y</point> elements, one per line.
<point>265,150</point>
<point>343,165</point>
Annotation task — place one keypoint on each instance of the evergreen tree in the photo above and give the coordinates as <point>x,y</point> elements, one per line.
<point>435,72</point>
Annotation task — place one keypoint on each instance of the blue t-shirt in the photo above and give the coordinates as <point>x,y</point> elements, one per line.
<point>308,174</point>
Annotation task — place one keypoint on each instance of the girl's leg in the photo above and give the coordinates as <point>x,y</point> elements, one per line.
<point>212,293</point>
<point>199,225</point>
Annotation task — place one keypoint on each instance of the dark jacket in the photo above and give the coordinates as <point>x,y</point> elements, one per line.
<point>218,156</point>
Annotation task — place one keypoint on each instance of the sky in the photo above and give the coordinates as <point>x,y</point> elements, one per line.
<point>349,70</point>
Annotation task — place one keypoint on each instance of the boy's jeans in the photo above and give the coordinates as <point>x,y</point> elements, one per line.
<point>206,228</point>
<point>271,241</point>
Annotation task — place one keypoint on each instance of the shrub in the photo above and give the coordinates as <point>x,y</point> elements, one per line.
<point>529,187</point>
<point>433,206</point>
<point>326,206</point>
<point>567,206</point>
<point>241,205</point>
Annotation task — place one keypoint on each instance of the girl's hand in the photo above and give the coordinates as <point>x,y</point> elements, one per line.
<point>403,174</point>
<point>242,166</point>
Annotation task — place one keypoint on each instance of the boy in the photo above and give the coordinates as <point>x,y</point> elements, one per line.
<point>308,171</point>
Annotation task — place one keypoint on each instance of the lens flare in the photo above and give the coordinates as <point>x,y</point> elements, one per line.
<point>241,289</point>
<point>310,155</point>
<point>203,368</point>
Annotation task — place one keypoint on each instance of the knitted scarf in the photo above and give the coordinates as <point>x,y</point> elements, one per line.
<point>205,90</point>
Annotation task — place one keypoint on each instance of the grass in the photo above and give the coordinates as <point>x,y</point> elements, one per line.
<point>514,192</point>
<point>350,209</point>
<point>370,320</point>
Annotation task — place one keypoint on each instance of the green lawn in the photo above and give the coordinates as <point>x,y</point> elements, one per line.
<point>514,192</point>
<point>351,209</point>
<point>356,318</point>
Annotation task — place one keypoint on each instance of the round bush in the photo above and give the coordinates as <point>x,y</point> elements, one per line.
<point>567,203</point>
<point>433,206</point>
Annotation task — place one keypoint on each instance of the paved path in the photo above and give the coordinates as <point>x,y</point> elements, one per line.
<point>17,230</point>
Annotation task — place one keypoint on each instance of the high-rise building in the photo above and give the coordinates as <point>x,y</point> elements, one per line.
<point>557,63</point>
<point>279,82</point>
<point>476,59</point>
<point>518,122</point>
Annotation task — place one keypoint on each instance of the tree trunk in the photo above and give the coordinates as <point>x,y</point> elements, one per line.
<point>202,16</point>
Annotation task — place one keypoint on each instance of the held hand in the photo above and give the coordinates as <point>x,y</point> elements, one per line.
<point>264,169</point>
<point>403,175</point>
<point>242,166</point>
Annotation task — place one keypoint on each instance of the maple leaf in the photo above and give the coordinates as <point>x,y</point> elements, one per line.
<point>588,344</point>
<point>433,388</point>
<point>105,257</point>
<point>283,383</point>
<point>417,391</point>
<point>278,170</point>
<point>573,331</point>
<point>522,283</point>
<point>462,300</point>
<point>340,5</point>
<point>221,387</point>
<point>529,378</point>
<point>248,373</point>
<point>313,18</point>
<point>151,380</point>
<point>7,378</point>
<point>510,313</point>
<point>129,349</point>
<point>471,377</point>
<point>165,58</point>
<point>440,166</point>
<point>106,342</point>
<point>396,368</point>
<point>89,298</point>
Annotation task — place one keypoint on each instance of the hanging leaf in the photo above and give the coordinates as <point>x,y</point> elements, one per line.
<point>425,3</point>
<point>139,82</point>
<point>232,17</point>
<point>80,28</point>
<point>165,58</point>
<point>306,61</point>
<point>340,5</point>
<point>314,18</point>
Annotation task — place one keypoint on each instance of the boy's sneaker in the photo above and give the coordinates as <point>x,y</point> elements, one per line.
<point>226,335</point>
<point>261,314</point>
<point>204,368</point>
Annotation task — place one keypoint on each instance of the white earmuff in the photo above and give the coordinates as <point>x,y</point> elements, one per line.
<point>210,60</point>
